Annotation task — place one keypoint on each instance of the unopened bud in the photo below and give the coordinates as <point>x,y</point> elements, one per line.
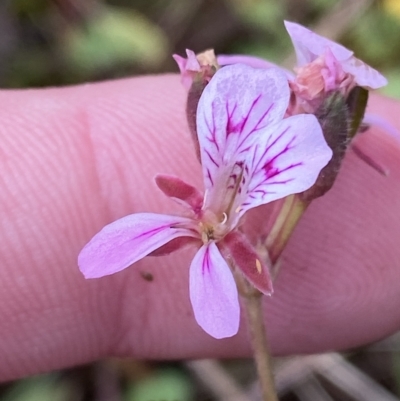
<point>340,119</point>
<point>208,67</point>
<point>193,98</point>
<point>333,116</point>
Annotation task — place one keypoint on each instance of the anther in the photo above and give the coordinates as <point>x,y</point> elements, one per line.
<point>258,266</point>
<point>225,219</point>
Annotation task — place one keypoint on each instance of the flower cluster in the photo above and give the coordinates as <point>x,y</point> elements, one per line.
<point>250,155</point>
<point>258,140</point>
<point>201,66</point>
<point>329,82</point>
<point>322,66</point>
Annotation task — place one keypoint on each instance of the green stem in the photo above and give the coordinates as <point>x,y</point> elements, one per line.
<point>259,340</point>
<point>290,214</point>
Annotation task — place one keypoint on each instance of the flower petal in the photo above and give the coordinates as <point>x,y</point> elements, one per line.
<point>174,245</point>
<point>127,240</point>
<point>309,45</point>
<point>252,61</point>
<point>180,191</point>
<point>237,246</point>
<point>287,160</point>
<point>364,75</point>
<point>235,107</point>
<point>187,67</point>
<point>213,293</point>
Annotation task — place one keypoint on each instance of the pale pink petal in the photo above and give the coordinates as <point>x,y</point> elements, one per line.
<point>129,239</point>
<point>192,62</point>
<point>181,61</point>
<point>364,75</point>
<point>235,107</point>
<point>213,293</point>
<point>252,61</point>
<point>309,45</point>
<point>187,67</point>
<point>287,160</point>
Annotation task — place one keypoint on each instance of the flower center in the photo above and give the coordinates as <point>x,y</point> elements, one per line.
<point>212,227</point>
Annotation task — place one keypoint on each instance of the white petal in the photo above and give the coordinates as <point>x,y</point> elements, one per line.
<point>309,45</point>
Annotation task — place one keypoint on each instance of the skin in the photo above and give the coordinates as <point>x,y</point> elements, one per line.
<point>75,159</point>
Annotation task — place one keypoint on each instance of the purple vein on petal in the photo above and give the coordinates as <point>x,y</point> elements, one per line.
<point>229,128</point>
<point>287,148</point>
<point>266,181</point>
<point>210,177</point>
<point>212,130</point>
<point>255,128</point>
<point>211,158</point>
<point>269,147</point>
<point>213,293</point>
<point>271,171</point>
<point>128,240</point>
<point>245,119</point>
<point>282,170</point>
<point>280,182</point>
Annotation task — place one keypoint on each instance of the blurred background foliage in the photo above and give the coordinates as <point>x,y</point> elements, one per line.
<point>64,42</point>
<point>56,42</point>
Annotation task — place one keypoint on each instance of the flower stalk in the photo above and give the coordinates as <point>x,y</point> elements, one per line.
<point>261,134</point>
<point>292,209</point>
<point>258,336</point>
<point>260,345</point>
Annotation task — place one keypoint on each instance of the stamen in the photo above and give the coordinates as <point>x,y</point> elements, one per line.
<point>225,219</point>
<point>258,266</point>
<point>204,199</point>
<point>235,190</point>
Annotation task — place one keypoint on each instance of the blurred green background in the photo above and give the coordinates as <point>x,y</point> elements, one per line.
<point>56,42</point>
<point>64,42</point>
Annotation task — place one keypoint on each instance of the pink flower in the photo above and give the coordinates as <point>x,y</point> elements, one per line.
<point>203,65</point>
<point>250,156</point>
<point>336,58</point>
<point>252,61</point>
<point>322,75</point>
